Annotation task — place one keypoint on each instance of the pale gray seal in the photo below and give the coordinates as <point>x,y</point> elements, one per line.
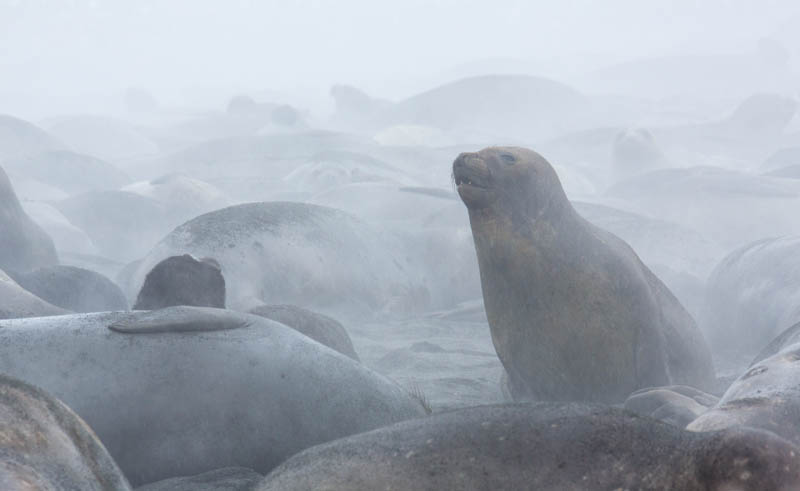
<point>186,390</point>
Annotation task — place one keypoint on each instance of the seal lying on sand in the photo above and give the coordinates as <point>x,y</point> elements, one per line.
<point>185,390</point>
<point>574,313</point>
<point>544,446</point>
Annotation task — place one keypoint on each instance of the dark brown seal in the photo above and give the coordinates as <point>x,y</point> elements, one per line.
<point>574,313</point>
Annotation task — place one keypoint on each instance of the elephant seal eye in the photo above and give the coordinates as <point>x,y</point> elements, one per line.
<point>508,158</point>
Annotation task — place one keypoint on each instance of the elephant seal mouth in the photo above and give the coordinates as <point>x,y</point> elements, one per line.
<point>473,180</point>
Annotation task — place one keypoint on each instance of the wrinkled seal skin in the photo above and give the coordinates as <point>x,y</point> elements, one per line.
<point>574,314</point>
<point>542,446</point>
<point>185,390</point>
<point>766,396</point>
<point>45,446</point>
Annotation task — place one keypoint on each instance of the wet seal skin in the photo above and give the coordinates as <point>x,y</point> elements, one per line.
<point>574,313</point>
<point>543,447</point>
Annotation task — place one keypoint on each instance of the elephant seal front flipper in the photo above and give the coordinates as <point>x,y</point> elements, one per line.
<point>179,319</point>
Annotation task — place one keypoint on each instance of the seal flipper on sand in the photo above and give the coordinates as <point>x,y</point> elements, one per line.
<point>179,319</point>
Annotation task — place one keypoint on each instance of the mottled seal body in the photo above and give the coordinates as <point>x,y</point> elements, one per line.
<point>766,395</point>
<point>186,390</point>
<point>46,446</point>
<point>544,446</point>
<point>574,313</point>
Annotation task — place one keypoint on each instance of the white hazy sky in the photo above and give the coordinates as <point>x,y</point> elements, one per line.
<point>62,47</point>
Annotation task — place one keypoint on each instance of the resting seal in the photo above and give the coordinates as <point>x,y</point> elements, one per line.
<point>574,314</point>
<point>185,390</point>
<point>542,446</point>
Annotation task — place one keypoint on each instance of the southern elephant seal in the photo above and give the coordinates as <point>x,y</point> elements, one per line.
<point>543,446</point>
<point>574,313</point>
<point>185,390</point>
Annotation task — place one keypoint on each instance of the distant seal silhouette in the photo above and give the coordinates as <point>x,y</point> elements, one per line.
<point>46,446</point>
<point>185,390</point>
<point>574,314</point>
<point>17,302</point>
<point>319,327</point>
<point>23,243</point>
<point>73,288</point>
<point>545,447</point>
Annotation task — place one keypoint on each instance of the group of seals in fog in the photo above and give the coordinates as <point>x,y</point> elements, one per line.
<point>574,314</point>
<point>185,390</point>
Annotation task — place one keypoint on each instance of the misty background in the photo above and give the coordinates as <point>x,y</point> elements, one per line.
<point>67,56</point>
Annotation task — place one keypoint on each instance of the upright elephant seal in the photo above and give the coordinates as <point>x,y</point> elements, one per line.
<point>544,446</point>
<point>186,390</point>
<point>574,314</point>
<point>46,446</point>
